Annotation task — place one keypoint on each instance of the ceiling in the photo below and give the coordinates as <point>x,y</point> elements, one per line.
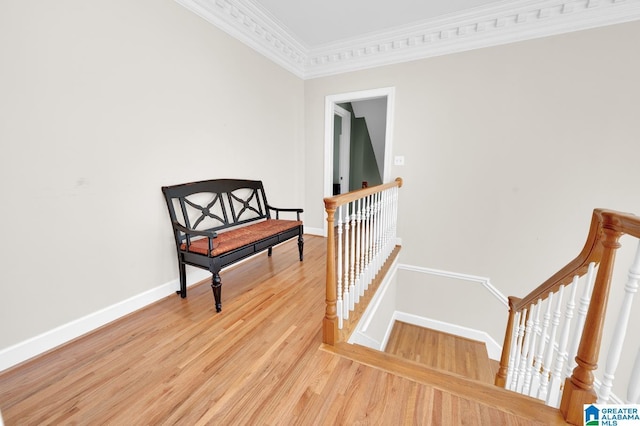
<point>315,38</point>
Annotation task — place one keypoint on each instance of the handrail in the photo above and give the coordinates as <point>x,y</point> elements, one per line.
<point>330,327</point>
<point>607,226</point>
<point>341,199</point>
<point>624,223</point>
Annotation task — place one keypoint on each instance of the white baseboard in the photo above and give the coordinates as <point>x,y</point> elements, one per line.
<point>315,231</point>
<point>20,352</point>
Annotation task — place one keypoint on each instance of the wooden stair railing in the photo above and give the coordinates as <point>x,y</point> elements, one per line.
<point>361,236</point>
<point>599,250</point>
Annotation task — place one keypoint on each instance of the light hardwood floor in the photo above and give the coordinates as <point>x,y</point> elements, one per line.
<point>260,361</point>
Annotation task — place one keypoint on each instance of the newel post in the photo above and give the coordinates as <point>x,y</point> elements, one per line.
<point>578,389</point>
<point>501,375</point>
<point>330,323</point>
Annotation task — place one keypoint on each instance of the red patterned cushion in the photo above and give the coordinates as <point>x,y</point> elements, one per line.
<point>236,238</point>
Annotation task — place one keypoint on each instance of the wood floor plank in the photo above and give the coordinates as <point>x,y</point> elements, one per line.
<point>259,361</point>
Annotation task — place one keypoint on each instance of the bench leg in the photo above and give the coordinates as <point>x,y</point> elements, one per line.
<point>183,280</point>
<point>269,251</point>
<point>216,286</point>
<point>300,246</point>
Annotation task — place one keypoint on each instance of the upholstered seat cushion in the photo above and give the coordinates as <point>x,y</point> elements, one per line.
<point>239,237</point>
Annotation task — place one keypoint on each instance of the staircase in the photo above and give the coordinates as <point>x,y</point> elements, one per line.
<point>460,373</point>
<point>545,354</point>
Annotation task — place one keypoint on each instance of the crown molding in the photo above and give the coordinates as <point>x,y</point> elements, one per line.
<point>495,24</point>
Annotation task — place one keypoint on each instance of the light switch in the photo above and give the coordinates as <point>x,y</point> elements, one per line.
<point>398,160</point>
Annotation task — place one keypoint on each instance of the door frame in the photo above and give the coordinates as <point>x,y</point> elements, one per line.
<point>330,101</point>
<point>345,147</point>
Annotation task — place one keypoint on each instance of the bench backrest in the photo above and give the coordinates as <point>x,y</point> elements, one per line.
<point>213,205</point>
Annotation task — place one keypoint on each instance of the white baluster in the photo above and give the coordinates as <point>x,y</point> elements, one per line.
<point>372,254</point>
<point>367,241</point>
<point>394,217</point>
<point>385,225</point>
<point>535,331</point>
<point>519,356</point>
<point>561,358</point>
<point>524,356</point>
<point>555,323</point>
<point>367,255</point>
<point>383,222</point>
<point>376,239</point>
<point>374,228</point>
<point>348,298</point>
<point>365,248</point>
<point>546,352</point>
<point>355,295</point>
<point>513,350</point>
<point>633,390</point>
<point>363,243</point>
<point>582,314</point>
<point>359,283</point>
<point>378,228</point>
<point>620,331</point>
<point>374,220</point>
<point>537,364</point>
<point>389,239</point>
<point>339,306</point>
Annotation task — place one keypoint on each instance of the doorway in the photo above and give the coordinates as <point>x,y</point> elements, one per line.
<point>341,149</point>
<point>333,113</point>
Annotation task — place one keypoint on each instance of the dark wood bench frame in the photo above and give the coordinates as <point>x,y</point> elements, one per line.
<point>237,207</point>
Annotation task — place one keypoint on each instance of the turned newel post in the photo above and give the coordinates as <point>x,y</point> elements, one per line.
<point>501,375</point>
<point>578,389</point>
<point>330,322</point>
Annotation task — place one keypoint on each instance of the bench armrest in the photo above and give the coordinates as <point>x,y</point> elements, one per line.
<point>210,235</point>
<point>278,210</point>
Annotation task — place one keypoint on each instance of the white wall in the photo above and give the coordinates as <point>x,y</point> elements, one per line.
<point>452,300</point>
<point>101,104</point>
<point>507,151</point>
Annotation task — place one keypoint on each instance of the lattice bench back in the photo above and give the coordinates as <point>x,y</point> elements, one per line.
<point>217,204</point>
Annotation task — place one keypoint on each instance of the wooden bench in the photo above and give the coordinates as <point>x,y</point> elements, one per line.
<point>219,222</point>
